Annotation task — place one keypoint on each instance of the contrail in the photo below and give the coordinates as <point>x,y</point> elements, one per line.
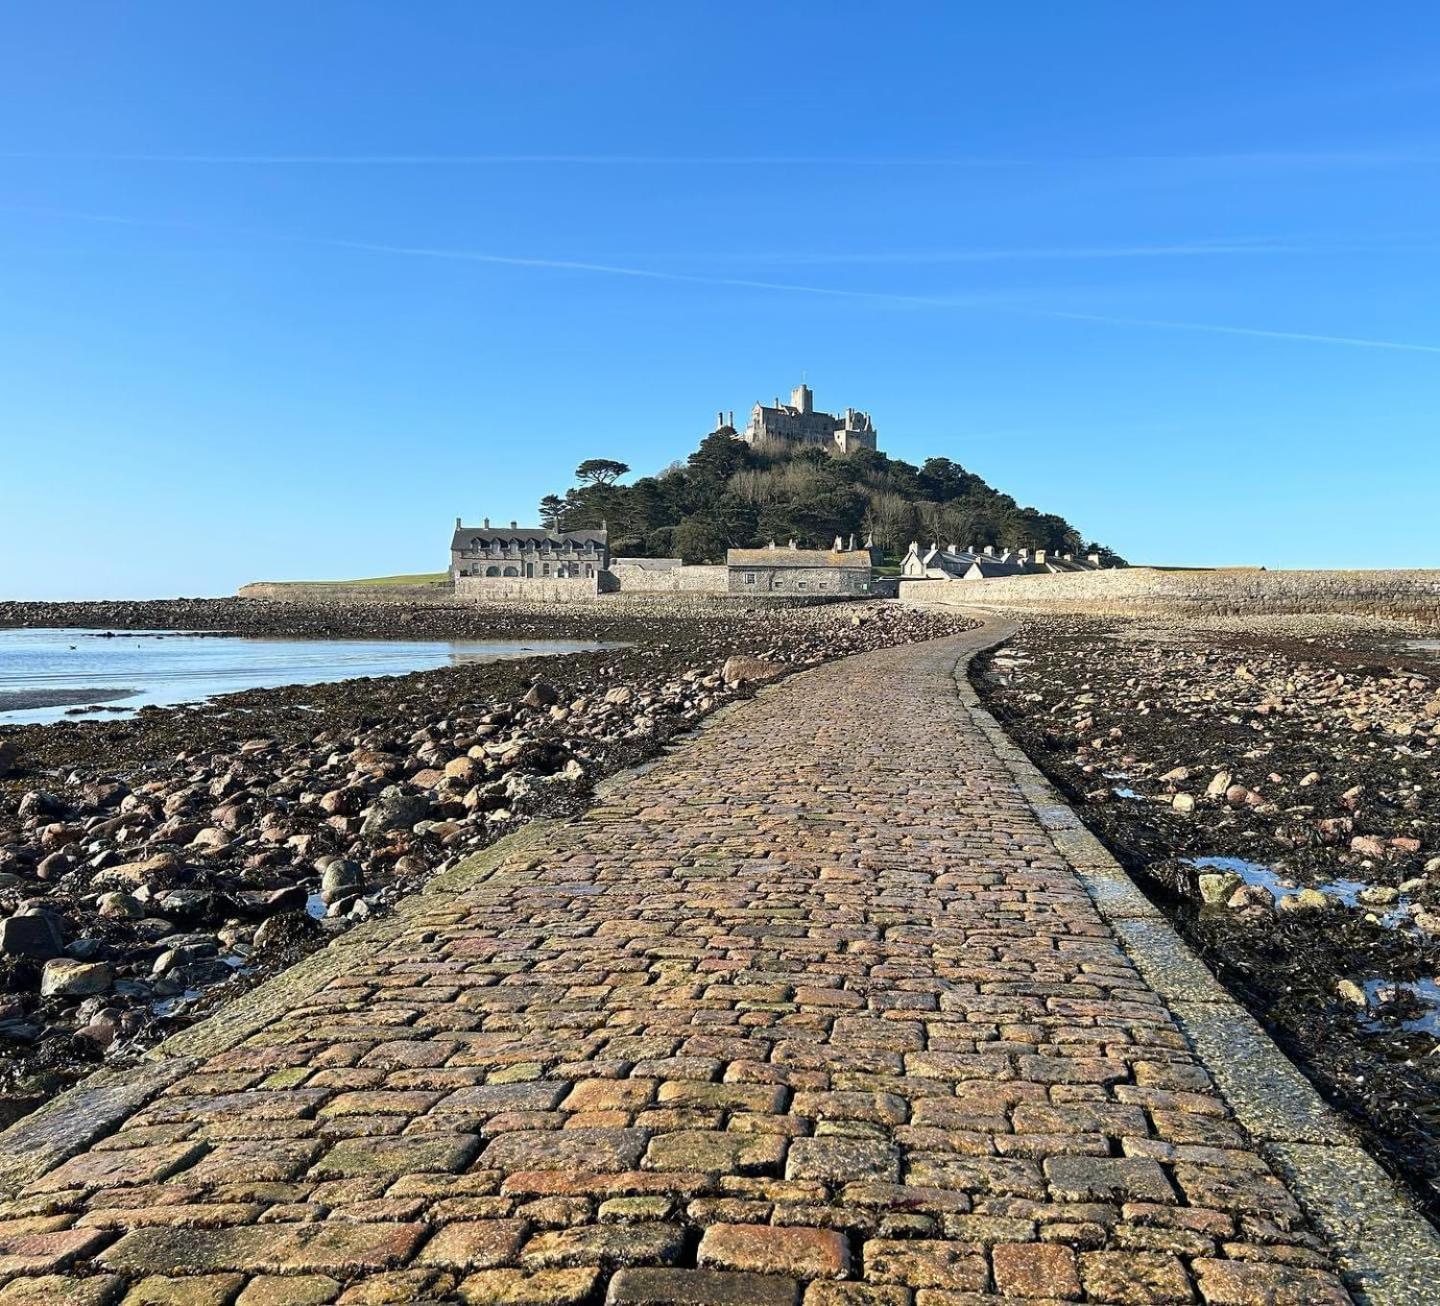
<point>653,274</point>
<point>1356,158</point>
<point>1362,342</point>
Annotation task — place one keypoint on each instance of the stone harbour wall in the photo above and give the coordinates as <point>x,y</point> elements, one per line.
<point>300,592</point>
<point>671,580</point>
<point>540,589</point>
<point>1411,596</point>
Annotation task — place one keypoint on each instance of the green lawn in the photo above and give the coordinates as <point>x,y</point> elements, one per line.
<point>419,578</point>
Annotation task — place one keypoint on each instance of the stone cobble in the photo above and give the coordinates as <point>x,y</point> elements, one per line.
<point>812,1012</point>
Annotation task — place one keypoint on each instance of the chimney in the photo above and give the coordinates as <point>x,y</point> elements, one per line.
<point>487,523</point>
<point>1040,556</point>
<point>731,423</point>
<point>719,419</point>
<point>989,550</point>
<point>1094,558</point>
<point>514,525</point>
<point>852,541</point>
<point>457,523</point>
<point>839,545</point>
<point>794,544</point>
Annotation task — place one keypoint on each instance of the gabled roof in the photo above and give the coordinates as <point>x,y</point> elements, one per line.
<point>523,535</point>
<point>987,566</point>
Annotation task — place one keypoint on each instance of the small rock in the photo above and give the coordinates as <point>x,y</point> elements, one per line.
<point>1218,886</point>
<point>1306,900</point>
<point>1183,802</point>
<point>1351,992</point>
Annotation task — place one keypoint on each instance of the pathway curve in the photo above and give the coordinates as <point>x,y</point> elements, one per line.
<point>813,1010</point>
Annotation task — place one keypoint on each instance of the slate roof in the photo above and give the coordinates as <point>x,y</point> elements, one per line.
<point>465,534</point>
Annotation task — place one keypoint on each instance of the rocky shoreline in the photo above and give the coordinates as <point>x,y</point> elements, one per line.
<point>154,867</point>
<point>1274,789</point>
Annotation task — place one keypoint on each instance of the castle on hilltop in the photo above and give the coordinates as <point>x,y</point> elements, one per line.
<point>798,423</point>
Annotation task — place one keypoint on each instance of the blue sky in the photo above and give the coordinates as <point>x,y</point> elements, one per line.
<point>285,288</point>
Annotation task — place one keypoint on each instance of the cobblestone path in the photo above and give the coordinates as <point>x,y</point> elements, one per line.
<point>813,1011</point>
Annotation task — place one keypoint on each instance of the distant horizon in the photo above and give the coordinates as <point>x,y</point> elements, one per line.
<point>282,309</point>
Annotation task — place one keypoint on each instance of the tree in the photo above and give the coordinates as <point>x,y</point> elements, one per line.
<point>552,512</point>
<point>600,471</point>
<point>700,539</point>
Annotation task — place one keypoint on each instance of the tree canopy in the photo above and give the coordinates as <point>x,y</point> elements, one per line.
<point>729,495</point>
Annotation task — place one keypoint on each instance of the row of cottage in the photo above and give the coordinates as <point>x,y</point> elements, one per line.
<point>954,563</point>
<point>525,562</point>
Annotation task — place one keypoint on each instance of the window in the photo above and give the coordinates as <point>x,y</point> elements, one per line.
<point>799,584</point>
<point>749,577</point>
<point>492,571</point>
<point>545,569</point>
<point>511,571</point>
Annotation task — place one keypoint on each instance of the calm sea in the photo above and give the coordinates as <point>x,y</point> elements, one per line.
<point>46,674</point>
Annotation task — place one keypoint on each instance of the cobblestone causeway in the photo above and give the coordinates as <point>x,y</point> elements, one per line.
<point>812,1011</point>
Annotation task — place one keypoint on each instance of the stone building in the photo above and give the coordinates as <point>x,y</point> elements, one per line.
<point>798,422</point>
<point>517,553</point>
<point>839,570</point>
<point>955,563</point>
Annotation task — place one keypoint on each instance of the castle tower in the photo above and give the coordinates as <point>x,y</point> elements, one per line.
<point>803,398</point>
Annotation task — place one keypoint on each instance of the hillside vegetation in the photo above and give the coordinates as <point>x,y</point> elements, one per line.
<point>729,495</point>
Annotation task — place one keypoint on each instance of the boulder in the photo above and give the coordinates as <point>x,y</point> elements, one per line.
<point>340,879</point>
<point>744,670</point>
<point>64,978</point>
<point>9,758</point>
<point>394,809</point>
<point>130,874</point>
<point>120,906</point>
<point>35,935</point>
<point>542,694</point>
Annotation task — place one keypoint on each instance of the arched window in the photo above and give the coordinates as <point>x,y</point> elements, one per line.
<point>492,571</point>
<point>512,571</point>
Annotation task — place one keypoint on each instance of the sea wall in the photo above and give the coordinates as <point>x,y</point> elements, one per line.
<point>1411,596</point>
<point>301,592</point>
<point>678,579</point>
<point>537,589</point>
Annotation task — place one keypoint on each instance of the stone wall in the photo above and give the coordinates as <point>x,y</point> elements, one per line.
<point>541,589</point>
<point>679,579</point>
<point>302,592</point>
<point>1408,596</point>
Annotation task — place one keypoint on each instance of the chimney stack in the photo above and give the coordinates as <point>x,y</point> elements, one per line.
<point>989,550</point>
<point>457,523</point>
<point>487,523</point>
<point>514,525</point>
<point>1040,556</point>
